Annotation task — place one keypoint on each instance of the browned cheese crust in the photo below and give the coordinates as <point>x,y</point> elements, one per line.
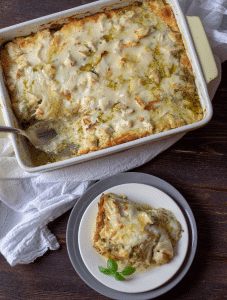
<point>104,80</point>
<point>134,235</point>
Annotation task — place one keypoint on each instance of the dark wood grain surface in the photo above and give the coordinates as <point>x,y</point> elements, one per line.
<point>196,166</point>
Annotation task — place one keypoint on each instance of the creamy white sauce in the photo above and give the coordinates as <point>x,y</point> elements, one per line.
<point>133,233</point>
<point>118,71</point>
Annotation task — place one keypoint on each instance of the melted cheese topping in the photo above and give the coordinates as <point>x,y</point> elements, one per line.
<point>103,80</point>
<point>134,234</point>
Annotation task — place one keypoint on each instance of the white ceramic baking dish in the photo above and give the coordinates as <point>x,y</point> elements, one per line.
<point>197,47</point>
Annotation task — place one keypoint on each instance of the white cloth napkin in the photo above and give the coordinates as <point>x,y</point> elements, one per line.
<point>28,202</point>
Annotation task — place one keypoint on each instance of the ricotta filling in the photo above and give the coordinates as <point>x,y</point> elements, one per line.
<point>98,79</point>
<point>135,234</point>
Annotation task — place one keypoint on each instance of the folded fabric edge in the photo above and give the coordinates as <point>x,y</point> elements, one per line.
<point>41,241</point>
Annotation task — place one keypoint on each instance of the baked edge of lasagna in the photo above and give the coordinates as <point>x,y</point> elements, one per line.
<point>166,14</point>
<point>159,232</point>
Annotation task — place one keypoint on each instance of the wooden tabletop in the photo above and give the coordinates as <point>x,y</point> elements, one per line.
<point>196,166</point>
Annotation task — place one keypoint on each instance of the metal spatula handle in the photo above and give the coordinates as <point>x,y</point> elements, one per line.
<point>10,129</point>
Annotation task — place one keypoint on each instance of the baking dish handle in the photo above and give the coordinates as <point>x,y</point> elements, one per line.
<point>203,48</point>
<point>2,122</point>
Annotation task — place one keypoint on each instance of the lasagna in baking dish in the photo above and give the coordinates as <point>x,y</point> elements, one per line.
<point>105,79</point>
<point>134,234</point>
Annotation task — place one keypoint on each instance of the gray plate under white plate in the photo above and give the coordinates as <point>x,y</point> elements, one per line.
<point>88,197</point>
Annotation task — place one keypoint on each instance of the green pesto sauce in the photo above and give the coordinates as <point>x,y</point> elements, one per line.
<point>37,68</point>
<point>87,68</point>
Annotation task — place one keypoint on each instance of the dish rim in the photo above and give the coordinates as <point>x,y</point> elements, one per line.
<point>19,143</point>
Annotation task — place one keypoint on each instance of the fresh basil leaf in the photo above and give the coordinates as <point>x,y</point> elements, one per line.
<point>112,268</point>
<point>105,271</point>
<point>119,277</point>
<point>128,271</point>
<point>112,265</point>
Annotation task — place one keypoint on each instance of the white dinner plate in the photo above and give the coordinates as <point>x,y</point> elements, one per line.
<point>77,214</point>
<point>141,282</point>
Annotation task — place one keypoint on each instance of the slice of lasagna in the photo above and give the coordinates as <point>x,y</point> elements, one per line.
<point>135,234</point>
